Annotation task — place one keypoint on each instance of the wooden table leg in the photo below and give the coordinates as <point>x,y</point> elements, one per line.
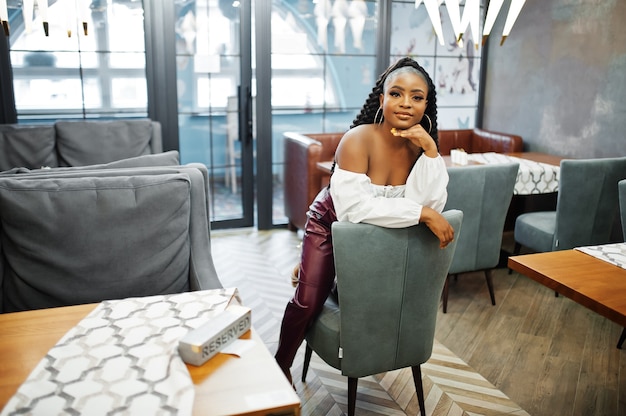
<point>622,338</point>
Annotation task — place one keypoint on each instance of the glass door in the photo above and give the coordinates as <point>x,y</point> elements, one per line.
<point>323,66</point>
<point>214,72</point>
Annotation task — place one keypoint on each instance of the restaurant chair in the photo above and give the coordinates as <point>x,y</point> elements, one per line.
<point>303,179</point>
<point>483,193</point>
<point>586,209</point>
<point>389,282</point>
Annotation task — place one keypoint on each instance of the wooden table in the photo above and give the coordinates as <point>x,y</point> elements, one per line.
<point>589,281</point>
<point>538,157</point>
<point>252,384</point>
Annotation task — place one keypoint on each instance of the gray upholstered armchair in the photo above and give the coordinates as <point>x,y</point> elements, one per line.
<point>72,236</point>
<point>389,285</point>
<point>586,210</point>
<point>483,193</point>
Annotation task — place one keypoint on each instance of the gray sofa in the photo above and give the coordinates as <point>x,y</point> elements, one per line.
<point>82,235</point>
<point>77,143</point>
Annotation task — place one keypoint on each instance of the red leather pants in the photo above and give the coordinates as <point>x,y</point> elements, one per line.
<point>316,279</point>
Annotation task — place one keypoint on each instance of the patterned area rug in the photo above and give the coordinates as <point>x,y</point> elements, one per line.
<point>451,387</point>
<point>259,264</point>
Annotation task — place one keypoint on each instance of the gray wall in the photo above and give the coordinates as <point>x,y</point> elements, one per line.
<point>559,80</point>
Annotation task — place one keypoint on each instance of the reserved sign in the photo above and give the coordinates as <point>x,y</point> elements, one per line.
<point>204,342</point>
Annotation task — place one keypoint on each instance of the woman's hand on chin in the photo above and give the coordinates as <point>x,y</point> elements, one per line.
<point>419,137</point>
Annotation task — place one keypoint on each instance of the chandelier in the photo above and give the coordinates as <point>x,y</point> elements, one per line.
<point>75,10</point>
<point>471,17</point>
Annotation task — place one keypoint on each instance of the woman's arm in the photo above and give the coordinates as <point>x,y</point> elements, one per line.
<point>424,194</point>
<point>427,182</point>
<point>424,199</point>
<point>355,201</point>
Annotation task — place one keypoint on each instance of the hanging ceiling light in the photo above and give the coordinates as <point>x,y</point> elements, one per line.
<point>70,16</point>
<point>514,10</point>
<point>432,7</point>
<point>471,17</point>
<point>73,9</point>
<point>492,13</point>
<point>454,11</point>
<point>4,16</point>
<point>83,12</point>
<point>42,5</point>
<point>27,12</point>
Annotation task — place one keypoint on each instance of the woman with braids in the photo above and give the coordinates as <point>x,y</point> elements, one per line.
<point>387,172</point>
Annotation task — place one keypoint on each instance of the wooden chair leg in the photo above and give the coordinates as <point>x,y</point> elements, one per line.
<point>490,286</point>
<point>622,338</point>
<point>352,384</point>
<point>444,295</point>
<point>308,352</point>
<point>419,389</point>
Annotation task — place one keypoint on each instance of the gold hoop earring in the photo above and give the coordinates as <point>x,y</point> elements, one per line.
<point>376,116</point>
<point>430,123</point>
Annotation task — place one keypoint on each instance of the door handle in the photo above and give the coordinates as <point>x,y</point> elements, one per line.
<point>245,125</point>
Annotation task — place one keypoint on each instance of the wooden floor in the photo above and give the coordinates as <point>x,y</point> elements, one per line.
<point>548,354</point>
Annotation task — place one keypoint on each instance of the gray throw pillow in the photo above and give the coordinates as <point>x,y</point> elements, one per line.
<point>81,143</point>
<point>164,159</point>
<point>31,147</point>
<point>170,158</point>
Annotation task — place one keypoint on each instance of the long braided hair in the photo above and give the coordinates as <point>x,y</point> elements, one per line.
<point>372,104</point>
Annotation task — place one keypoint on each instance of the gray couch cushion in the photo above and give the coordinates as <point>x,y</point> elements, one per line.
<point>79,240</point>
<point>81,143</point>
<point>31,147</point>
<point>170,158</point>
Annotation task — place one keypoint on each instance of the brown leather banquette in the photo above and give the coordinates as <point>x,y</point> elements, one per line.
<point>304,180</point>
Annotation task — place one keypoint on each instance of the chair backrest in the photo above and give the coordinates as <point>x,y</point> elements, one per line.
<point>89,142</point>
<point>622,205</point>
<point>587,204</point>
<point>389,282</point>
<point>79,236</point>
<point>483,193</point>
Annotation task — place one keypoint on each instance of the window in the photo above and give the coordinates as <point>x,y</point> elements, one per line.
<point>98,74</point>
<point>453,68</point>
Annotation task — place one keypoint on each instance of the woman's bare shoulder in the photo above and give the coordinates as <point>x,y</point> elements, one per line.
<point>358,135</point>
<point>354,149</point>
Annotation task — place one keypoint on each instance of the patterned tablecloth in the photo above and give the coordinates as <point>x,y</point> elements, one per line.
<point>612,253</point>
<point>122,358</point>
<point>532,177</point>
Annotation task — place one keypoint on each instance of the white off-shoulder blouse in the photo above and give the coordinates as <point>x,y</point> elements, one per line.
<point>356,199</point>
